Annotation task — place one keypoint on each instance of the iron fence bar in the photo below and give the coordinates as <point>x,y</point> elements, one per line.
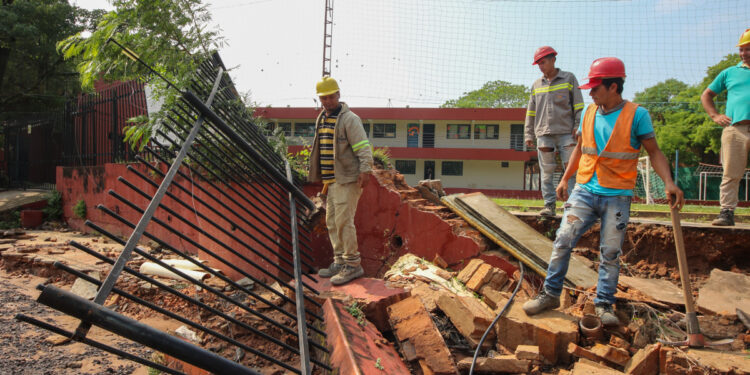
<point>192,242</point>
<point>174,316</point>
<point>132,329</point>
<point>232,177</point>
<point>96,344</point>
<point>211,183</point>
<point>277,176</point>
<point>180,294</point>
<point>208,206</point>
<point>114,273</point>
<point>299,292</point>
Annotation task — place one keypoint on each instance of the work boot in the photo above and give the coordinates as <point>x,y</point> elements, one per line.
<point>548,210</point>
<point>541,302</point>
<point>347,274</point>
<point>332,270</point>
<point>607,315</point>
<point>725,218</point>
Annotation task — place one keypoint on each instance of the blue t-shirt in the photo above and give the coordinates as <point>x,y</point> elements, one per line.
<point>736,80</point>
<point>603,125</point>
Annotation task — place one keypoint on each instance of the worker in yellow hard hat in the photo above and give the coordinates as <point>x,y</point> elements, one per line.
<point>341,158</point>
<point>552,118</point>
<point>735,137</point>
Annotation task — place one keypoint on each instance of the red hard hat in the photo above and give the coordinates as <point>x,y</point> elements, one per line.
<point>543,51</point>
<point>605,67</point>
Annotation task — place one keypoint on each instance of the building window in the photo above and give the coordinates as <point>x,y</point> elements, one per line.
<point>459,131</point>
<point>384,130</point>
<point>304,129</point>
<point>452,168</point>
<point>485,131</point>
<point>406,166</point>
<point>366,125</point>
<point>504,164</point>
<point>286,127</point>
<point>516,137</point>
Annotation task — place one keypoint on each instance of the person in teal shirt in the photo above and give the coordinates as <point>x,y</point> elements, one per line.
<point>735,137</point>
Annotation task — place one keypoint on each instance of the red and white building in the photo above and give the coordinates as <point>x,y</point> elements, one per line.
<point>468,149</point>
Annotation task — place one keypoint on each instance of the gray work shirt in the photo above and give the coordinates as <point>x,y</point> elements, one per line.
<point>554,106</point>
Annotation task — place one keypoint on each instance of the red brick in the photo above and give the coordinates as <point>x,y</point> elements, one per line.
<point>356,347</point>
<point>469,315</point>
<point>465,274</point>
<point>497,364</point>
<point>494,299</point>
<point>481,276</point>
<point>550,330</point>
<point>618,342</point>
<point>587,367</point>
<point>614,355</point>
<point>439,261</point>
<point>580,352</point>
<point>411,323</point>
<point>499,279</point>
<point>530,352</point>
<point>645,361</point>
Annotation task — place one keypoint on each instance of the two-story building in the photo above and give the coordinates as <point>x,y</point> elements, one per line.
<point>468,149</point>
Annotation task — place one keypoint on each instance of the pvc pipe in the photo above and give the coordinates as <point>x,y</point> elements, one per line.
<point>150,268</point>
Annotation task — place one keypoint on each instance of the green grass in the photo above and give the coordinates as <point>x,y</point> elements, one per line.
<point>526,203</point>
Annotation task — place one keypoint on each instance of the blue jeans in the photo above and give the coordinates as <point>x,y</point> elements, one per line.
<point>562,143</point>
<point>582,210</point>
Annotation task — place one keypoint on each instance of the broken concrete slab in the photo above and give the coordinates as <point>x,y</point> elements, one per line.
<point>551,331</point>
<point>427,293</point>
<point>84,288</point>
<point>724,293</point>
<point>497,364</point>
<point>355,349</point>
<point>645,361</point>
<point>419,338</point>
<point>470,317</point>
<point>658,289</point>
<point>724,362</point>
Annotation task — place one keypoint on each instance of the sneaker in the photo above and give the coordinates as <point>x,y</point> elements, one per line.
<point>331,271</point>
<point>541,302</point>
<point>725,218</point>
<point>607,315</point>
<point>347,274</point>
<point>548,210</point>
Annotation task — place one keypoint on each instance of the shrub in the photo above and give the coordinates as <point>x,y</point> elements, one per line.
<point>54,209</point>
<point>79,210</point>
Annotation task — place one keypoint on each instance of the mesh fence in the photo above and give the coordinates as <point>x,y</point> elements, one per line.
<point>425,52</point>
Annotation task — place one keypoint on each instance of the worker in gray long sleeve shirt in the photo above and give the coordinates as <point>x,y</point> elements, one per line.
<point>552,117</point>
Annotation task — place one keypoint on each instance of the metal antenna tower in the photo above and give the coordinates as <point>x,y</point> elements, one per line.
<point>327,37</point>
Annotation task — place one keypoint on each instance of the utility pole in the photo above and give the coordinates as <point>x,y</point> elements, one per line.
<point>327,37</point>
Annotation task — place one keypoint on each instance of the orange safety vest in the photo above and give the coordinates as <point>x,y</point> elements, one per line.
<point>617,166</point>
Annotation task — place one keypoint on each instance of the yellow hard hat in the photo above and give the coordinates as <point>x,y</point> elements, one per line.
<point>327,86</point>
<point>744,39</point>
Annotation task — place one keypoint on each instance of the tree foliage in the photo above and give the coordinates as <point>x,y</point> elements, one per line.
<point>493,94</point>
<point>33,76</point>
<point>680,122</point>
<point>171,36</point>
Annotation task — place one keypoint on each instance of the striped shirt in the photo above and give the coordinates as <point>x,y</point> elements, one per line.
<point>326,135</point>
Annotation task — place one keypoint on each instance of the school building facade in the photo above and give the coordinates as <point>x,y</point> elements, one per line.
<point>468,149</point>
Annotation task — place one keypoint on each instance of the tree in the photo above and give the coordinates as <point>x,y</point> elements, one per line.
<point>33,76</point>
<point>493,94</point>
<point>680,122</point>
<point>171,36</point>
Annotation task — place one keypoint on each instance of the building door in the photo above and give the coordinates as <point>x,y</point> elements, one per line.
<point>429,169</point>
<point>412,135</point>
<point>428,137</point>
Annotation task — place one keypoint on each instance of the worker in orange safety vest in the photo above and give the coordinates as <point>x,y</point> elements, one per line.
<point>610,139</point>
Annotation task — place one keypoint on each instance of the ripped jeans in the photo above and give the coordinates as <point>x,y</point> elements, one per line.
<point>562,143</point>
<point>582,210</point>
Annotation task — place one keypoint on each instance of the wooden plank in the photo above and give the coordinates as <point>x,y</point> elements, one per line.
<point>523,241</point>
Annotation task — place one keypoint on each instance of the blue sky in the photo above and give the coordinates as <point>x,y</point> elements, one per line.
<point>423,52</point>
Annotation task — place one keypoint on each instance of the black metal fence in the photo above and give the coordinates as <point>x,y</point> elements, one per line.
<point>249,215</point>
<point>87,131</point>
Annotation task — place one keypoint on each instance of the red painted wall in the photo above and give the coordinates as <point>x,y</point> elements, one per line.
<point>387,226</point>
